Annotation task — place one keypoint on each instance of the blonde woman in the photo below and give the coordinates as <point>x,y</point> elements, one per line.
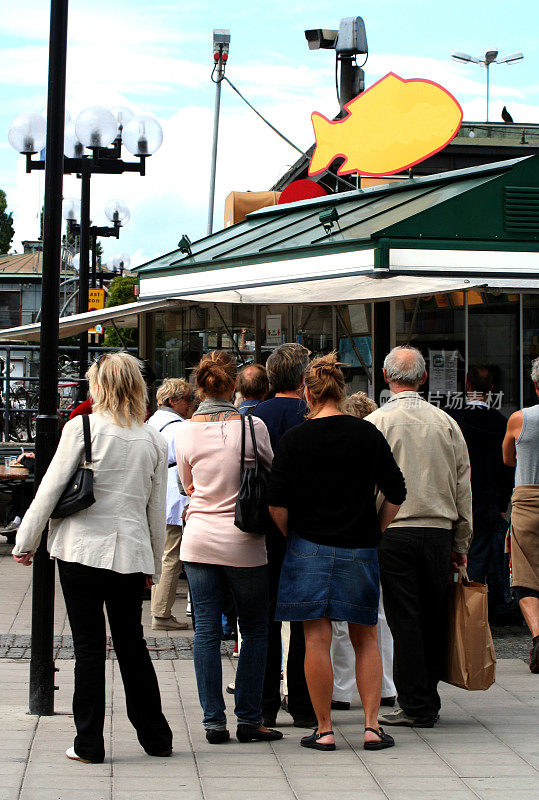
<point>109,552</point>
<point>330,570</point>
<point>174,406</point>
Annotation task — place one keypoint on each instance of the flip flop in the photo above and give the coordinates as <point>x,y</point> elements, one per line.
<point>312,741</point>
<point>385,740</point>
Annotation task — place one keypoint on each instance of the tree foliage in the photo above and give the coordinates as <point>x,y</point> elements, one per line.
<point>7,231</point>
<point>121,291</point>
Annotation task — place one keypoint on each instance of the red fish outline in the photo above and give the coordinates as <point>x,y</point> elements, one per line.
<point>406,166</point>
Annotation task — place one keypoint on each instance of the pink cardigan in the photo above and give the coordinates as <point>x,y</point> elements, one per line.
<point>208,456</point>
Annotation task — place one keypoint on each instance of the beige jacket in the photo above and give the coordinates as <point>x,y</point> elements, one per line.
<point>124,530</point>
<point>431,452</point>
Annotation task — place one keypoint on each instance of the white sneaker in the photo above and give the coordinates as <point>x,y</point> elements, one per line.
<point>70,753</point>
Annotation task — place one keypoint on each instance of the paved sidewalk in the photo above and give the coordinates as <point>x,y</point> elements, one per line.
<point>486,744</point>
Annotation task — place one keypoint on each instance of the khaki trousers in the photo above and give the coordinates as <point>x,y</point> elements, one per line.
<point>164,594</point>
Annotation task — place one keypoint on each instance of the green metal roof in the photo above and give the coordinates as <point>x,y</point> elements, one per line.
<point>462,204</point>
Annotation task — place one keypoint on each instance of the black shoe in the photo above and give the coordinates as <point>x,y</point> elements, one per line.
<point>284,705</point>
<point>312,741</point>
<point>269,722</point>
<point>426,722</point>
<point>217,736</point>
<point>305,722</point>
<point>388,701</point>
<point>340,705</point>
<point>252,733</point>
<point>534,656</point>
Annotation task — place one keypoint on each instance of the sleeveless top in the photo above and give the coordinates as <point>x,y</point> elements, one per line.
<point>527,447</point>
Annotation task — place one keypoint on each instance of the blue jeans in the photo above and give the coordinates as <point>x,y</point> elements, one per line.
<point>208,584</point>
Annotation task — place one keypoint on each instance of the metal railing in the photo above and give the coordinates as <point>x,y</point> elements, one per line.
<point>19,394</point>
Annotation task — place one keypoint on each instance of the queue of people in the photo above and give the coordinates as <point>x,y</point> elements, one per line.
<point>360,499</point>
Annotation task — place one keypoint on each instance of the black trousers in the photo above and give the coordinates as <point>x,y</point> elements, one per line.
<point>415,567</point>
<point>299,702</point>
<point>86,590</point>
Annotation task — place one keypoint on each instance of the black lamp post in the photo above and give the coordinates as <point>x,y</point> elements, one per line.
<point>41,694</point>
<point>28,134</point>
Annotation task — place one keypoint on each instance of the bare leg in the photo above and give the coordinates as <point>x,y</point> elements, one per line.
<point>530,609</point>
<point>319,672</point>
<point>364,640</point>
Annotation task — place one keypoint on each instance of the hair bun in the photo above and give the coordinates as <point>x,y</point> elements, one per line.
<point>325,369</point>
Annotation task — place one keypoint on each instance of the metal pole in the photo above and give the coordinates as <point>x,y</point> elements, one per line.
<point>466,337</point>
<point>41,695</point>
<point>220,73</point>
<point>7,408</point>
<point>94,261</point>
<point>488,74</point>
<point>84,275</point>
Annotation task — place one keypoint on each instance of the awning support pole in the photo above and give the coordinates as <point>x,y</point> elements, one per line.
<point>258,343</point>
<point>354,346</point>
<point>230,334</point>
<point>466,338</point>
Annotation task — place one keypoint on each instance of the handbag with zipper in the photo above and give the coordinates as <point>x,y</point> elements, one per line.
<point>79,492</point>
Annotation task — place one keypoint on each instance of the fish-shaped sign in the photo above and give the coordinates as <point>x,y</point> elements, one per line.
<point>393,125</point>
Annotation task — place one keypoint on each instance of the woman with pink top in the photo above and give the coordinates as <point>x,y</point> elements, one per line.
<point>218,556</point>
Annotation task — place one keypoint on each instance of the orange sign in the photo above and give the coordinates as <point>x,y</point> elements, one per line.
<point>393,125</point>
<point>96,299</point>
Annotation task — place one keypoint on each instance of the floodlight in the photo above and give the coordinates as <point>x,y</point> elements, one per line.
<point>184,245</point>
<point>221,40</point>
<point>512,58</point>
<point>321,39</point>
<point>490,56</point>
<point>464,58</point>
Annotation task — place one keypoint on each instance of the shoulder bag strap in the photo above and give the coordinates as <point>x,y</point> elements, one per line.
<point>242,463</point>
<point>87,439</point>
<point>253,437</point>
<point>171,422</point>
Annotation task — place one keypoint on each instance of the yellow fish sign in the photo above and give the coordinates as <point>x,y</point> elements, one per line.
<point>393,125</point>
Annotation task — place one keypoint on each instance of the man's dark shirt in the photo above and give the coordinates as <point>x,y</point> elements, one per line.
<point>484,430</point>
<point>280,414</point>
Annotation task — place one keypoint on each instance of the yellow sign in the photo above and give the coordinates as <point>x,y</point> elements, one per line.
<point>96,299</point>
<point>395,124</point>
<point>98,329</point>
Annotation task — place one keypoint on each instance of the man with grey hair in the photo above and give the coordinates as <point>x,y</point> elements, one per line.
<point>430,533</point>
<point>286,368</point>
<point>521,450</point>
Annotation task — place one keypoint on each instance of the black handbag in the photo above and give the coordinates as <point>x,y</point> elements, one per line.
<point>79,492</point>
<point>252,515</point>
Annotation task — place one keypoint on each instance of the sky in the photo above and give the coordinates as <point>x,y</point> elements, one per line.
<point>156,58</point>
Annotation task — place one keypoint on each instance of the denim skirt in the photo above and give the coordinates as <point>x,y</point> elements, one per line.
<point>320,581</point>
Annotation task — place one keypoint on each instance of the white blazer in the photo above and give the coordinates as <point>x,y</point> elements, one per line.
<point>124,530</point>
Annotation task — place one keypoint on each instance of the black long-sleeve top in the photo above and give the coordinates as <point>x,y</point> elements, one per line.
<point>326,472</point>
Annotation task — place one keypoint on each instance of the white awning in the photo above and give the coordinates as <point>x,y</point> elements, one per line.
<point>125,316</point>
<point>348,289</point>
<point>328,291</point>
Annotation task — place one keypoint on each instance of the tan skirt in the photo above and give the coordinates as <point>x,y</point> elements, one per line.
<point>525,536</point>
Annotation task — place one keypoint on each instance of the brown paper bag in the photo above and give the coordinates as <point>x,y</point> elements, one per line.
<point>471,660</point>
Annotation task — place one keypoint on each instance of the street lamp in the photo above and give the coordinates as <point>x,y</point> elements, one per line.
<point>62,156</point>
<point>92,144</point>
<point>116,211</point>
<point>221,47</point>
<point>491,57</point>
